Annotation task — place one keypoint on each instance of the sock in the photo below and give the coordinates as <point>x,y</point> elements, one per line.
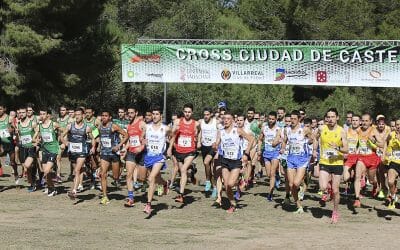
<point>130,195</point>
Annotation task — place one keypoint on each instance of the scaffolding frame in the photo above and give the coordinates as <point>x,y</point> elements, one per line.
<point>271,42</point>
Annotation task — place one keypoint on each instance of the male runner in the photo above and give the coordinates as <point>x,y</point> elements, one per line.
<point>333,144</point>
<point>352,157</point>
<point>110,146</point>
<point>230,155</point>
<point>184,135</point>
<point>392,151</point>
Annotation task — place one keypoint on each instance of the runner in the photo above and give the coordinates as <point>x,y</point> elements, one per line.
<point>6,141</point>
<point>392,151</point>
<point>184,135</point>
<point>207,137</point>
<point>368,160</point>
<point>349,118</point>
<point>381,133</point>
<point>333,144</point>
<point>135,152</point>
<point>283,158</point>
<point>298,139</point>
<point>27,130</point>
<point>78,133</point>
<point>93,159</point>
<point>63,120</point>
<point>270,136</point>
<point>154,159</point>
<point>352,157</point>
<point>280,119</point>
<point>230,155</point>
<point>50,148</point>
<point>110,147</point>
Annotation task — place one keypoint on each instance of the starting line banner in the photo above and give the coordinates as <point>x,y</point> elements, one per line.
<point>365,66</point>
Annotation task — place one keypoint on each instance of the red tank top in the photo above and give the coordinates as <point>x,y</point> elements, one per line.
<point>135,135</point>
<point>185,138</point>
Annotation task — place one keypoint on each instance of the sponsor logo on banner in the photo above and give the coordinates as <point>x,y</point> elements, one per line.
<point>146,58</point>
<point>322,76</point>
<point>159,75</point>
<point>332,76</point>
<point>130,74</point>
<point>194,74</point>
<point>226,74</point>
<point>375,76</point>
<point>242,74</point>
<point>281,73</point>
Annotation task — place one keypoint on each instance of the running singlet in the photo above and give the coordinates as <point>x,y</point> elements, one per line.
<point>122,123</point>
<point>269,136</point>
<point>156,140</point>
<point>363,146</point>
<point>393,149</point>
<point>352,140</point>
<point>185,139</point>
<point>208,132</point>
<point>107,139</point>
<point>297,142</point>
<point>135,134</point>
<point>77,140</point>
<point>231,145</point>
<point>329,155</point>
<point>63,123</point>
<point>49,138</point>
<point>26,135</point>
<point>92,125</point>
<point>5,135</point>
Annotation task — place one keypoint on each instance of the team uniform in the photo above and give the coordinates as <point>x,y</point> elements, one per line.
<point>50,146</point>
<point>185,144</point>
<point>270,152</point>
<point>156,146</point>
<point>135,134</point>
<point>77,146</point>
<point>208,137</point>
<point>331,160</point>
<point>298,149</point>
<point>230,150</point>
<point>108,140</point>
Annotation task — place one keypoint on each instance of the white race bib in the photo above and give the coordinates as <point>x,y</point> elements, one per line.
<point>134,141</point>
<point>396,155</point>
<point>4,133</point>
<point>154,147</point>
<point>365,150</point>
<point>75,147</point>
<point>296,149</point>
<point>185,141</point>
<point>47,137</point>
<point>26,139</point>
<point>330,153</point>
<point>230,153</point>
<point>106,142</point>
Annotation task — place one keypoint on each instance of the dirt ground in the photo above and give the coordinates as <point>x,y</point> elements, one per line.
<point>33,220</point>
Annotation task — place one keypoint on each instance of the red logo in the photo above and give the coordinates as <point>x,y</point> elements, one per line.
<point>145,58</point>
<point>322,76</point>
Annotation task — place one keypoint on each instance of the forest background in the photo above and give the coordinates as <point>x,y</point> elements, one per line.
<point>55,52</point>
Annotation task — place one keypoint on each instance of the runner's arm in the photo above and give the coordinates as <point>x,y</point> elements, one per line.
<point>122,132</point>
<point>92,139</point>
<point>260,140</point>
<point>345,146</point>
<point>248,137</point>
<point>173,136</point>
<point>277,138</point>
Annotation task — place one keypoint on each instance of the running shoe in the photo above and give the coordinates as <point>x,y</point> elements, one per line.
<point>104,200</point>
<point>392,204</point>
<point>357,203</point>
<point>299,210</point>
<point>147,209</point>
<point>160,190</point>
<point>335,217</point>
<point>45,191</point>
<point>323,200</point>
<point>231,210</point>
<point>80,189</point>
<point>136,185</point>
<point>32,189</point>
<point>214,193</point>
<point>381,194</point>
<point>72,194</point>
<point>129,203</point>
<point>269,197</point>
<point>52,193</point>
<point>320,193</point>
<point>207,187</point>
<point>18,181</point>
<point>179,198</point>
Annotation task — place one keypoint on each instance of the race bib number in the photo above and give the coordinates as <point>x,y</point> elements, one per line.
<point>75,147</point>
<point>134,141</point>
<point>330,153</point>
<point>365,150</point>
<point>230,153</point>
<point>185,141</point>
<point>106,142</point>
<point>4,133</point>
<point>295,149</point>
<point>396,155</point>
<point>207,141</point>
<point>26,139</point>
<point>352,149</point>
<point>47,137</point>
<point>154,148</point>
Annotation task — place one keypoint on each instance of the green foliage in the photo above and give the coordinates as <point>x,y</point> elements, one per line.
<point>54,52</point>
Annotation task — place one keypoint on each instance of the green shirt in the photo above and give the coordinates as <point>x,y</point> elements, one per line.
<point>26,135</point>
<point>49,138</point>
<point>4,130</point>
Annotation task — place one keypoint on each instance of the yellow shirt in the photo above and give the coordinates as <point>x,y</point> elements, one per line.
<point>329,155</point>
<point>393,149</point>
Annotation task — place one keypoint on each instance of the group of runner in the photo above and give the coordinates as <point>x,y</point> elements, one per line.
<point>236,149</point>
